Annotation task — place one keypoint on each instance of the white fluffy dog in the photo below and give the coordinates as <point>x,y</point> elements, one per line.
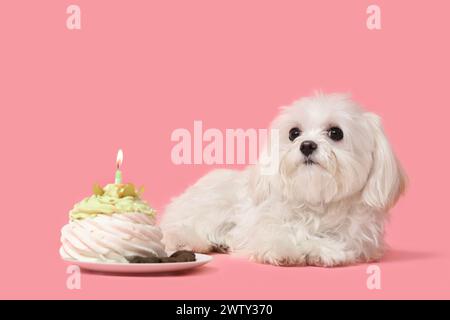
<point>325,206</point>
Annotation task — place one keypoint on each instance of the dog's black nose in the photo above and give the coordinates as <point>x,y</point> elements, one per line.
<point>308,147</point>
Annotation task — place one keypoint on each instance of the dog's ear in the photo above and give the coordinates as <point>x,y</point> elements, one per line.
<point>259,184</point>
<point>263,175</point>
<point>387,180</point>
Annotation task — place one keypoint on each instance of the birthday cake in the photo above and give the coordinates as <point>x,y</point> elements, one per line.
<point>112,225</point>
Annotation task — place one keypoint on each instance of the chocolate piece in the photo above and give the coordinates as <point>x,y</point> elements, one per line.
<point>137,259</point>
<point>183,256</point>
<point>178,256</point>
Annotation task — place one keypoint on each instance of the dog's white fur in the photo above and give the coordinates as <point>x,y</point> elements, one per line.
<point>326,214</point>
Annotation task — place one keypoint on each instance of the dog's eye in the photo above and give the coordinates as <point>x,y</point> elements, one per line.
<point>294,133</point>
<point>335,133</point>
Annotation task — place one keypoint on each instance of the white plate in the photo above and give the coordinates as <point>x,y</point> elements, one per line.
<point>141,268</point>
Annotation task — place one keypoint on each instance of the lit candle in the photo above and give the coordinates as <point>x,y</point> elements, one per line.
<point>118,165</point>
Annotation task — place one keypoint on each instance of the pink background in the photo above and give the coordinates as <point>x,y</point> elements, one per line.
<point>140,69</point>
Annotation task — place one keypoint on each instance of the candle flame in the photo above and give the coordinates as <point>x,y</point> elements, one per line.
<point>119,159</point>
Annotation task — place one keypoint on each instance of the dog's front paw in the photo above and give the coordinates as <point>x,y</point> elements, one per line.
<point>325,261</point>
<point>274,259</point>
<point>177,239</point>
<point>174,243</point>
<point>322,254</point>
<point>283,254</point>
<point>275,250</point>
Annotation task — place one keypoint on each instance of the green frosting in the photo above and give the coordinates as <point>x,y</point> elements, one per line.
<point>113,198</point>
